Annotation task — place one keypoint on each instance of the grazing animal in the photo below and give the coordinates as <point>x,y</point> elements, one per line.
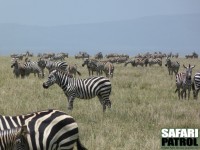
<point>72,70</point>
<point>196,85</point>
<point>14,139</point>
<point>184,82</point>
<point>93,65</point>
<point>60,56</point>
<point>154,61</point>
<point>137,62</point>
<point>81,88</point>
<point>109,69</point>
<point>32,67</point>
<point>18,69</point>
<point>172,66</point>
<point>99,56</point>
<point>51,65</point>
<point>48,129</point>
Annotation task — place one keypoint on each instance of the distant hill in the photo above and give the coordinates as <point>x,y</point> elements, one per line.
<point>179,33</point>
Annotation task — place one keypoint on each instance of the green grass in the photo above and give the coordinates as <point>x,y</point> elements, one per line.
<point>143,102</point>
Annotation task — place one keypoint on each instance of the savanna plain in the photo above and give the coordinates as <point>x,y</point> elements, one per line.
<point>143,102</point>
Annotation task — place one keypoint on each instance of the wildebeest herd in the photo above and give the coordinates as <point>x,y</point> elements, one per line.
<point>54,129</point>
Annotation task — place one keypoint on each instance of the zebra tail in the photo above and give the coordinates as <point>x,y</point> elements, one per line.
<point>79,145</point>
<point>176,90</point>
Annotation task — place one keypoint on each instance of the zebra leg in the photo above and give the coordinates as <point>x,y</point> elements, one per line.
<point>188,94</point>
<point>108,103</point>
<point>179,93</point>
<point>104,102</point>
<point>70,102</point>
<point>183,92</point>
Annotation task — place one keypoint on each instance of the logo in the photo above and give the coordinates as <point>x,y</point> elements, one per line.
<point>180,139</point>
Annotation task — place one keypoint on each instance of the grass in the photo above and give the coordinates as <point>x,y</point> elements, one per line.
<point>143,102</point>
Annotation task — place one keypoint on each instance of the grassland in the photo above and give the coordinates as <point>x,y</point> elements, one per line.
<point>143,102</point>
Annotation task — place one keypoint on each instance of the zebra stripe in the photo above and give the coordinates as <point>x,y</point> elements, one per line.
<point>51,65</point>
<point>196,85</point>
<point>153,61</point>
<point>81,88</point>
<point>14,139</point>
<point>48,130</point>
<point>32,67</point>
<point>93,65</point>
<point>184,82</point>
<point>172,66</point>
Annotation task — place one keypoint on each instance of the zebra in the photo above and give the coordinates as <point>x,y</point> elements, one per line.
<point>48,129</point>
<point>33,67</point>
<point>184,81</point>
<point>18,69</point>
<point>14,138</point>
<point>136,62</point>
<point>72,69</point>
<point>109,69</point>
<point>99,55</point>
<point>153,61</point>
<point>172,66</point>
<point>51,65</point>
<point>196,85</point>
<point>81,88</point>
<point>60,56</point>
<point>93,65</point>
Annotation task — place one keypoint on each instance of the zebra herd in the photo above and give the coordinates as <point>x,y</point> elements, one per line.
<point>184,81</point>
<point>54,129</point>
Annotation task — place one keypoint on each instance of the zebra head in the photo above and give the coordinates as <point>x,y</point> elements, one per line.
<point>85,62</point>
<point>14,64</point>
<point>189,71</point>
<point>52,78</point>
<point>168,62</point>
<point>21,142</point>
<point>41,63</point>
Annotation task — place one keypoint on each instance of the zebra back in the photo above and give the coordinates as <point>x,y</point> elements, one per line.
<point>48,129</point>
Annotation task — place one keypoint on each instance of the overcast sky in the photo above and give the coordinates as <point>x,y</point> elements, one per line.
<point>63,12</point>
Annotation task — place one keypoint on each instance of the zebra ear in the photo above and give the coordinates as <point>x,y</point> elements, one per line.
<point>184,66</point>
<point>192,66</point>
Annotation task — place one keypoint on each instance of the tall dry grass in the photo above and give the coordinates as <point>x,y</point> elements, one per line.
<point>143,102</point>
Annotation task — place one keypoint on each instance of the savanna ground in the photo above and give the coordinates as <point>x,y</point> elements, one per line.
<point>143,102</point>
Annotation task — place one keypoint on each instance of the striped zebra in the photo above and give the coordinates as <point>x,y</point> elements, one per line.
<point>33,67</point>
<point>51,65</point>
<point>93,65</point>
<point>14,139</point>
<point>196,85</point>
<point>184,82</point>
<point>60,56</point>
<point>137,62</point>
<point>153,61</point>
<point>172,66</point>
<point>81,88</point>
<point>48,129</point>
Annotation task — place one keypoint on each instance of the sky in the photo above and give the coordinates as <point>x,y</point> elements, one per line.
<point>55,13</point>
<point>64,12</point>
